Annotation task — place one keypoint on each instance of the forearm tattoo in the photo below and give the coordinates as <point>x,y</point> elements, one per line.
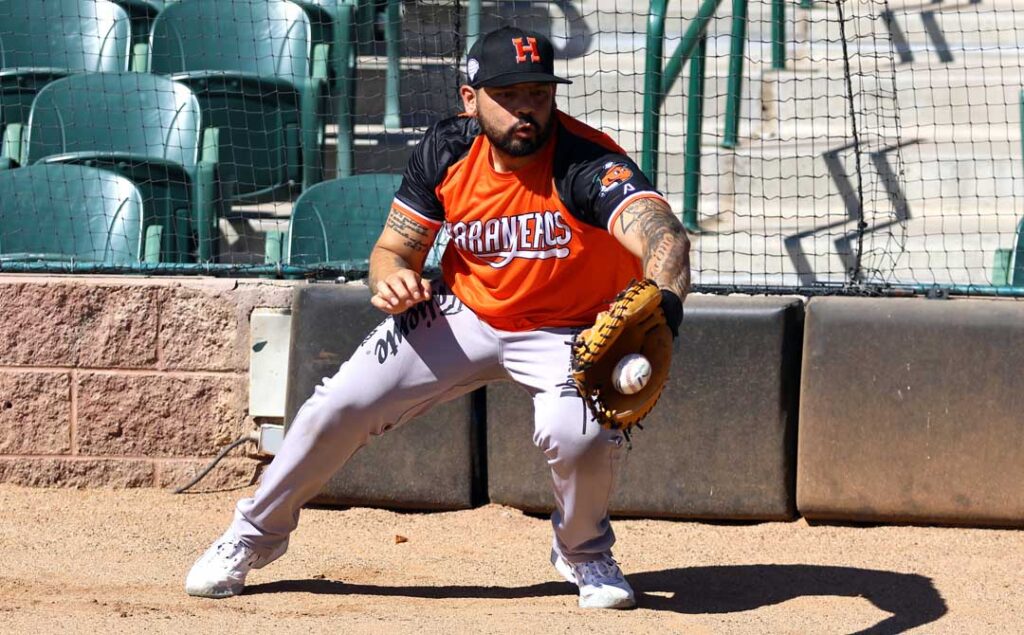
<point>666,247</point>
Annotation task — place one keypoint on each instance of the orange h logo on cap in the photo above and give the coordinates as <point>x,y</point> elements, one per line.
<point>522,49</point>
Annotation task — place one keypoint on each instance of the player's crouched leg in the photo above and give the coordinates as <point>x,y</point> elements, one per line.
<point>404,366</point>
<point>329,427</point>
<point>337,420</point>
<point>584,460</point>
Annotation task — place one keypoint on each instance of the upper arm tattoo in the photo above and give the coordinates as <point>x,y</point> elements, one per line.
<point>414,236</point>
<point>636,211</point>
<point>666,247</point>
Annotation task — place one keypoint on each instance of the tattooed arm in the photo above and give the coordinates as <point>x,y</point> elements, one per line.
<point>649,229</point>
<point>396,262</point>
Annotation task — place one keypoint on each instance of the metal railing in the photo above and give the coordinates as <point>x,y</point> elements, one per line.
<point>658,82</point>
<point>1008,269</point>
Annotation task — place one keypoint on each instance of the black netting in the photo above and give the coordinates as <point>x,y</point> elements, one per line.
<point>846,146</point>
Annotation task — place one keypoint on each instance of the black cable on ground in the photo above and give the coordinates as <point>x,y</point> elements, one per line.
<point>231,446</point>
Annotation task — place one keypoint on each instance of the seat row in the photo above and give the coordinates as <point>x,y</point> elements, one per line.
<point>323,14</point>
<point>236,115</point>
<point>301,51</point>
<point>75,213</point>
<point>233,140</point>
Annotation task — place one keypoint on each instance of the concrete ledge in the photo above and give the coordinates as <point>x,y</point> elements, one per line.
<point>428,463</point>
<point>73,472</point>
<point>187,324</point>
<point>720,443</point>
<point>913,410</point>
<point>75,323</point>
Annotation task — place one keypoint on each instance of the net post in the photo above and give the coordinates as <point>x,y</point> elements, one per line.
<point>343,51</point>
<point>694,130</point>
<point>778,34</point>
<point>392,36</point>
<point>472,23</point>
<point>204,195</point>
<point>310,122</point>
<point>737,45</point>
<point>652,89</point>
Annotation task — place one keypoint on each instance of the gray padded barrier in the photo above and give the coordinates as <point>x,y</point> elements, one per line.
<point>719,444</point>
<point>428,463</point>
<point>913,410</point>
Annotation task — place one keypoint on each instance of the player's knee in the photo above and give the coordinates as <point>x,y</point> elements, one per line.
<point>325,415</point>
<point>567,446</point>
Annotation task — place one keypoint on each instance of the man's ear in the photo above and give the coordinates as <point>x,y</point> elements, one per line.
<point>468,99</point>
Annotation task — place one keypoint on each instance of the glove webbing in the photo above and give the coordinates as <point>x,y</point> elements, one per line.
<point>615,320</point>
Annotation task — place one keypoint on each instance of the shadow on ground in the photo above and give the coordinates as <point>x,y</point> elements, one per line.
<point>912,600</point>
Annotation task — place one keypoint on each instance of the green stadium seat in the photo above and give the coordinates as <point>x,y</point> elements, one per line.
<point>324,18</point>
<point>74,213</point>
<point>1008,263</point>
<point>337,222</point>
<point>144,127</point>
<point>41,41</point>
<point>141,13</point>
<point>248,61</point>
<point>364,17</point>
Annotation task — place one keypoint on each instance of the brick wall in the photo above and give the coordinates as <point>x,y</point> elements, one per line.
<point>126,382</point>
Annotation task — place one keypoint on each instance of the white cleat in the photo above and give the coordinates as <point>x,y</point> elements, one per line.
<point>601,583</point>
<point>221,571</point>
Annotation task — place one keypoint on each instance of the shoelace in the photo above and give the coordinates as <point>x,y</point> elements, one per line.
<point>228,547</point>
<point>598,571</point>
<point>236,551</point>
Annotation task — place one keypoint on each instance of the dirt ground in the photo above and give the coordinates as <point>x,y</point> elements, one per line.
<point>103,561</point>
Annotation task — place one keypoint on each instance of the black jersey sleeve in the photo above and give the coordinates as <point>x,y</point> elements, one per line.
<point>600,188</point>
<point>442,145</point>
<point>595,182</point>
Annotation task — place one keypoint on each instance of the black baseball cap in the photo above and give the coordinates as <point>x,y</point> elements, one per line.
<point>509,56</point>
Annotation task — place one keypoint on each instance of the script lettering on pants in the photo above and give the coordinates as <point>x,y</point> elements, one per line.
<point>396,328</point>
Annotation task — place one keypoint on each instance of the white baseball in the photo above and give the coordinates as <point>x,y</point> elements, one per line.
<point>631,373</point>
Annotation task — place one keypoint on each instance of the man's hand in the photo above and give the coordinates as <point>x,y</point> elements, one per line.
<point>396,262</point>
<point>399,291</point>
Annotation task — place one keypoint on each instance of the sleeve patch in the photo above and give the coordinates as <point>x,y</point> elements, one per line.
<point>614,174</point>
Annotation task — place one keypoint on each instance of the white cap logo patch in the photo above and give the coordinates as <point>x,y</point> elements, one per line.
<point>472,68</point>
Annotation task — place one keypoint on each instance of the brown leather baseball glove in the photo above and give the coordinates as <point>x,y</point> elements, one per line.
<point>634,323</point>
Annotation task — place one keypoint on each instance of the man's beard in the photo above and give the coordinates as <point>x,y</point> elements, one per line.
<point>510,145</point>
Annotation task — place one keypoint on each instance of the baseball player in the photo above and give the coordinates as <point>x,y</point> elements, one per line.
<point>548,220</point>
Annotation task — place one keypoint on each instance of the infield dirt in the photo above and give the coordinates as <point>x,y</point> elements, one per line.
<point>114,561</point>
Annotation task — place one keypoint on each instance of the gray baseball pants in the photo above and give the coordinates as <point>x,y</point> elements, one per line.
<point>436,351</point>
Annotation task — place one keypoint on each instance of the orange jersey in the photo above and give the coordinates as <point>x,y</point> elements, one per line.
<point>530,248</point>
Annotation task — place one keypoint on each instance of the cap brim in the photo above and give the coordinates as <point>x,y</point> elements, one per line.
<point>508,79</point>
